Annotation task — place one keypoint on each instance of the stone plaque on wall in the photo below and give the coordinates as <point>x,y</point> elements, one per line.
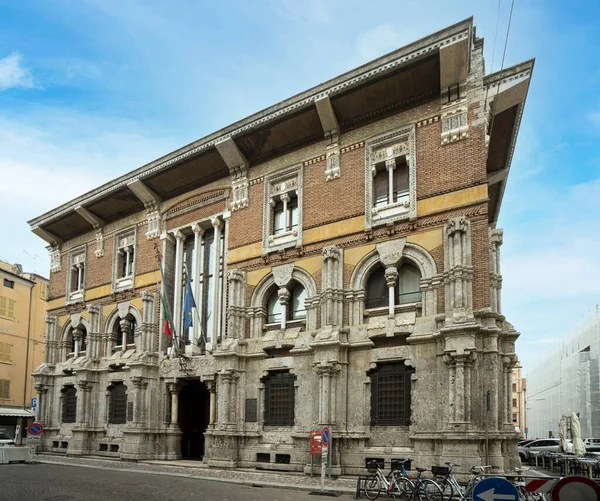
<point>251,414</point>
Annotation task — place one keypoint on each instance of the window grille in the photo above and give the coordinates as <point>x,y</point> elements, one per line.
<point>279,399</point>
<point>4,389</point>
<point>69,404</point>
<point>118,404</point>
<point>391,395</point>
<point>9,283</point>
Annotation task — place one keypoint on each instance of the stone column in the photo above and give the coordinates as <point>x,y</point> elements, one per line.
<point>77,336</point>
<point>41,417</point>
<point>390,165</point>
<point>391,278</point>
<point>217,224</point>
<point>213,407</point>
<point>450,361</point>
<point>93,344</point>
<point>125,328</point>
<point>196,258</point>
<point>83,403</point>
<point>179,236</point>
<point>326,372</point>
<point>174,390</point>
<point>284,297</point>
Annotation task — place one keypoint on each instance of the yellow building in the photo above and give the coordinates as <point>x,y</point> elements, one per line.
<point>519,391</point>
<point>22,310</point>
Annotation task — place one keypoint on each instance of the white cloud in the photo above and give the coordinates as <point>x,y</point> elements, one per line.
<point>13,74</point>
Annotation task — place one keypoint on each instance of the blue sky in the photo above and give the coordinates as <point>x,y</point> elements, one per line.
<point>90,89</point>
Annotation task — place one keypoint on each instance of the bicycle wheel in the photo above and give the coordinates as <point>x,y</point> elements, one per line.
<point>431,491</point>
<point>447,489</point>
<point>403,489</point>
<point>372,487</point>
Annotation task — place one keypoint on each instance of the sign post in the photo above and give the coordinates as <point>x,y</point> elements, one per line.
<point>316,440</point>
<point>324,454</point>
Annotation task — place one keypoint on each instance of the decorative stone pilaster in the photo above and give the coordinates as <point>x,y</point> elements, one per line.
<point>148,327</point>
<point>332,286</point>
<point>332,156</point>
<point>496,238</point>
<point>51,341</point>
<point>173,389</point>
<point>99,252</point>
<point>93,336</point>
<point>327,375</point>
<point>84,403</point>
<point>236,309</point>
<point>153,218</point>
<point>227,396</point>
<point>458,272</point>
<point>139,400</point>
<point>43,409</point>
<point>459,388</point>
<point>239,186</point>
<point>55,257</point>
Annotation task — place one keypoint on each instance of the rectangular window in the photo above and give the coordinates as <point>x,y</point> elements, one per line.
<point>514,418</point>
<point>124,260</point>
<point>278,219</point>
<point>381,186</point>
<point>391,395</point>
<point>9,283</point>
<point>514,402</point>
<point>279,399</point>
<point>5,352</point>
<point>4,389</point>
<point>118,404</point>
<point>7,307</point>
<point>76,275</point>
<point>69,404</point>
<point>514,387</point>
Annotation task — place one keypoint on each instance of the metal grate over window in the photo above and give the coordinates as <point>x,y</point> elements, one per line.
<point>279,399</point>
<point>118,403</point>
<point>391,395</point>
<point>69,404</point>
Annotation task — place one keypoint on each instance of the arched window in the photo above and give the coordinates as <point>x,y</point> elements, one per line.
<point>377,295</point>
<point>71,339</point>
<point>409,290</point>
<point>273,308</point>
<point>118,403</point>
<point>295,310</point>
<point>117,333</point>
<point>407,287</point>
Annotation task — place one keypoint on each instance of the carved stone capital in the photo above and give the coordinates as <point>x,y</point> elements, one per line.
<point>284,295</point>
<point>457,224</point>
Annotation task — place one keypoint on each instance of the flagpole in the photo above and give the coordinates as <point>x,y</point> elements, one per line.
<point>200,329</point>
<point>175,341</point>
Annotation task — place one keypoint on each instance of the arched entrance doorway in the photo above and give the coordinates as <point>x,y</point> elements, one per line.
<point>194,409</point>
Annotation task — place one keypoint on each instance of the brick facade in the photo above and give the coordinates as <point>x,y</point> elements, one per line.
<point>442,327</point>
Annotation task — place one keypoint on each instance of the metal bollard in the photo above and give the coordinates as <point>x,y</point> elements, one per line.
<point>359,487</point>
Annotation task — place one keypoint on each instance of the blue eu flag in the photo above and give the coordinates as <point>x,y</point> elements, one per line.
<point>188,304</point>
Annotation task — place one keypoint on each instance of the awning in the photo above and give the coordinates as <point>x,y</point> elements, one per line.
<point>14,412</point>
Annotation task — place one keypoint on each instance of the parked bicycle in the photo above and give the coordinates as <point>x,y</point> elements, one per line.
<point>448,482</point>
<point>400,486</point>
<point>519,482</point>
<point>377,482</point>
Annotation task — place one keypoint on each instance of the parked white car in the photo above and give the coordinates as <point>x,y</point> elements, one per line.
<point>6,441</point>
<point>592,444</point>
<point>543,444</point>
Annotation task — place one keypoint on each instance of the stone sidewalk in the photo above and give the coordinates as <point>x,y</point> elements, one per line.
<point>198,470</point>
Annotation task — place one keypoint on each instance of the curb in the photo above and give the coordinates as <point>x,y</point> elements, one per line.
<point>241,482</point>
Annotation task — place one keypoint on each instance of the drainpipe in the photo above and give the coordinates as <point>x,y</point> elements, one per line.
<point>27,353</point>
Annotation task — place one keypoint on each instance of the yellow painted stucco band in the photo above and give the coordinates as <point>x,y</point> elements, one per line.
<point>137,303</point>
<point>147,279</point>
<point>54,304</point>
<point>96,292</point>
<point>355,254</point>
<point>334,230</point>
<point>244,253</point>
<point>309,264</point>
<point>107,310</point>
<point>455,199</point>
<point>254,277</point>
<point>429,240</point>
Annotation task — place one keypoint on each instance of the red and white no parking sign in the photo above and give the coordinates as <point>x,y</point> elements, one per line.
<point>576,488</point>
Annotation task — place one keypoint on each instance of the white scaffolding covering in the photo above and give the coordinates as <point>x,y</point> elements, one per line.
<point>567,379</point>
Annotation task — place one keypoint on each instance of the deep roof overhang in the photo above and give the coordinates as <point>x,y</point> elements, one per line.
<point>506,93</point>
<point>396,81</point>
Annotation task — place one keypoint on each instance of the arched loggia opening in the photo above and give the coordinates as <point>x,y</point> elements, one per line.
<point>194,415</point>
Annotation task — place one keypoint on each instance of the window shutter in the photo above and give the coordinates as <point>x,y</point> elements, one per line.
<point>4,389</point>
<point>2,306</point>
<point>10,311</point>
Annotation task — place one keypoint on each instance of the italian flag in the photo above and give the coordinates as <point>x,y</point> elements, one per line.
<point>167,328</point>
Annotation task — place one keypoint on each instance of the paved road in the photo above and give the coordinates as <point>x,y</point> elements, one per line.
<point>48,482</point>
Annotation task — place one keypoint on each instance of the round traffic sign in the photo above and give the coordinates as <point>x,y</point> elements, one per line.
<point>326,436</point>
<point>35,429</point>
<point>575,487</point>
<point>495,489</point>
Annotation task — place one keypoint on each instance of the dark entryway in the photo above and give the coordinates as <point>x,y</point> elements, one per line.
<point>194,409</point>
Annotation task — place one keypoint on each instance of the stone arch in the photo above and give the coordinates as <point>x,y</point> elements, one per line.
<point>122,311</point>
<point>65,337</point>
<point>282,277</point>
